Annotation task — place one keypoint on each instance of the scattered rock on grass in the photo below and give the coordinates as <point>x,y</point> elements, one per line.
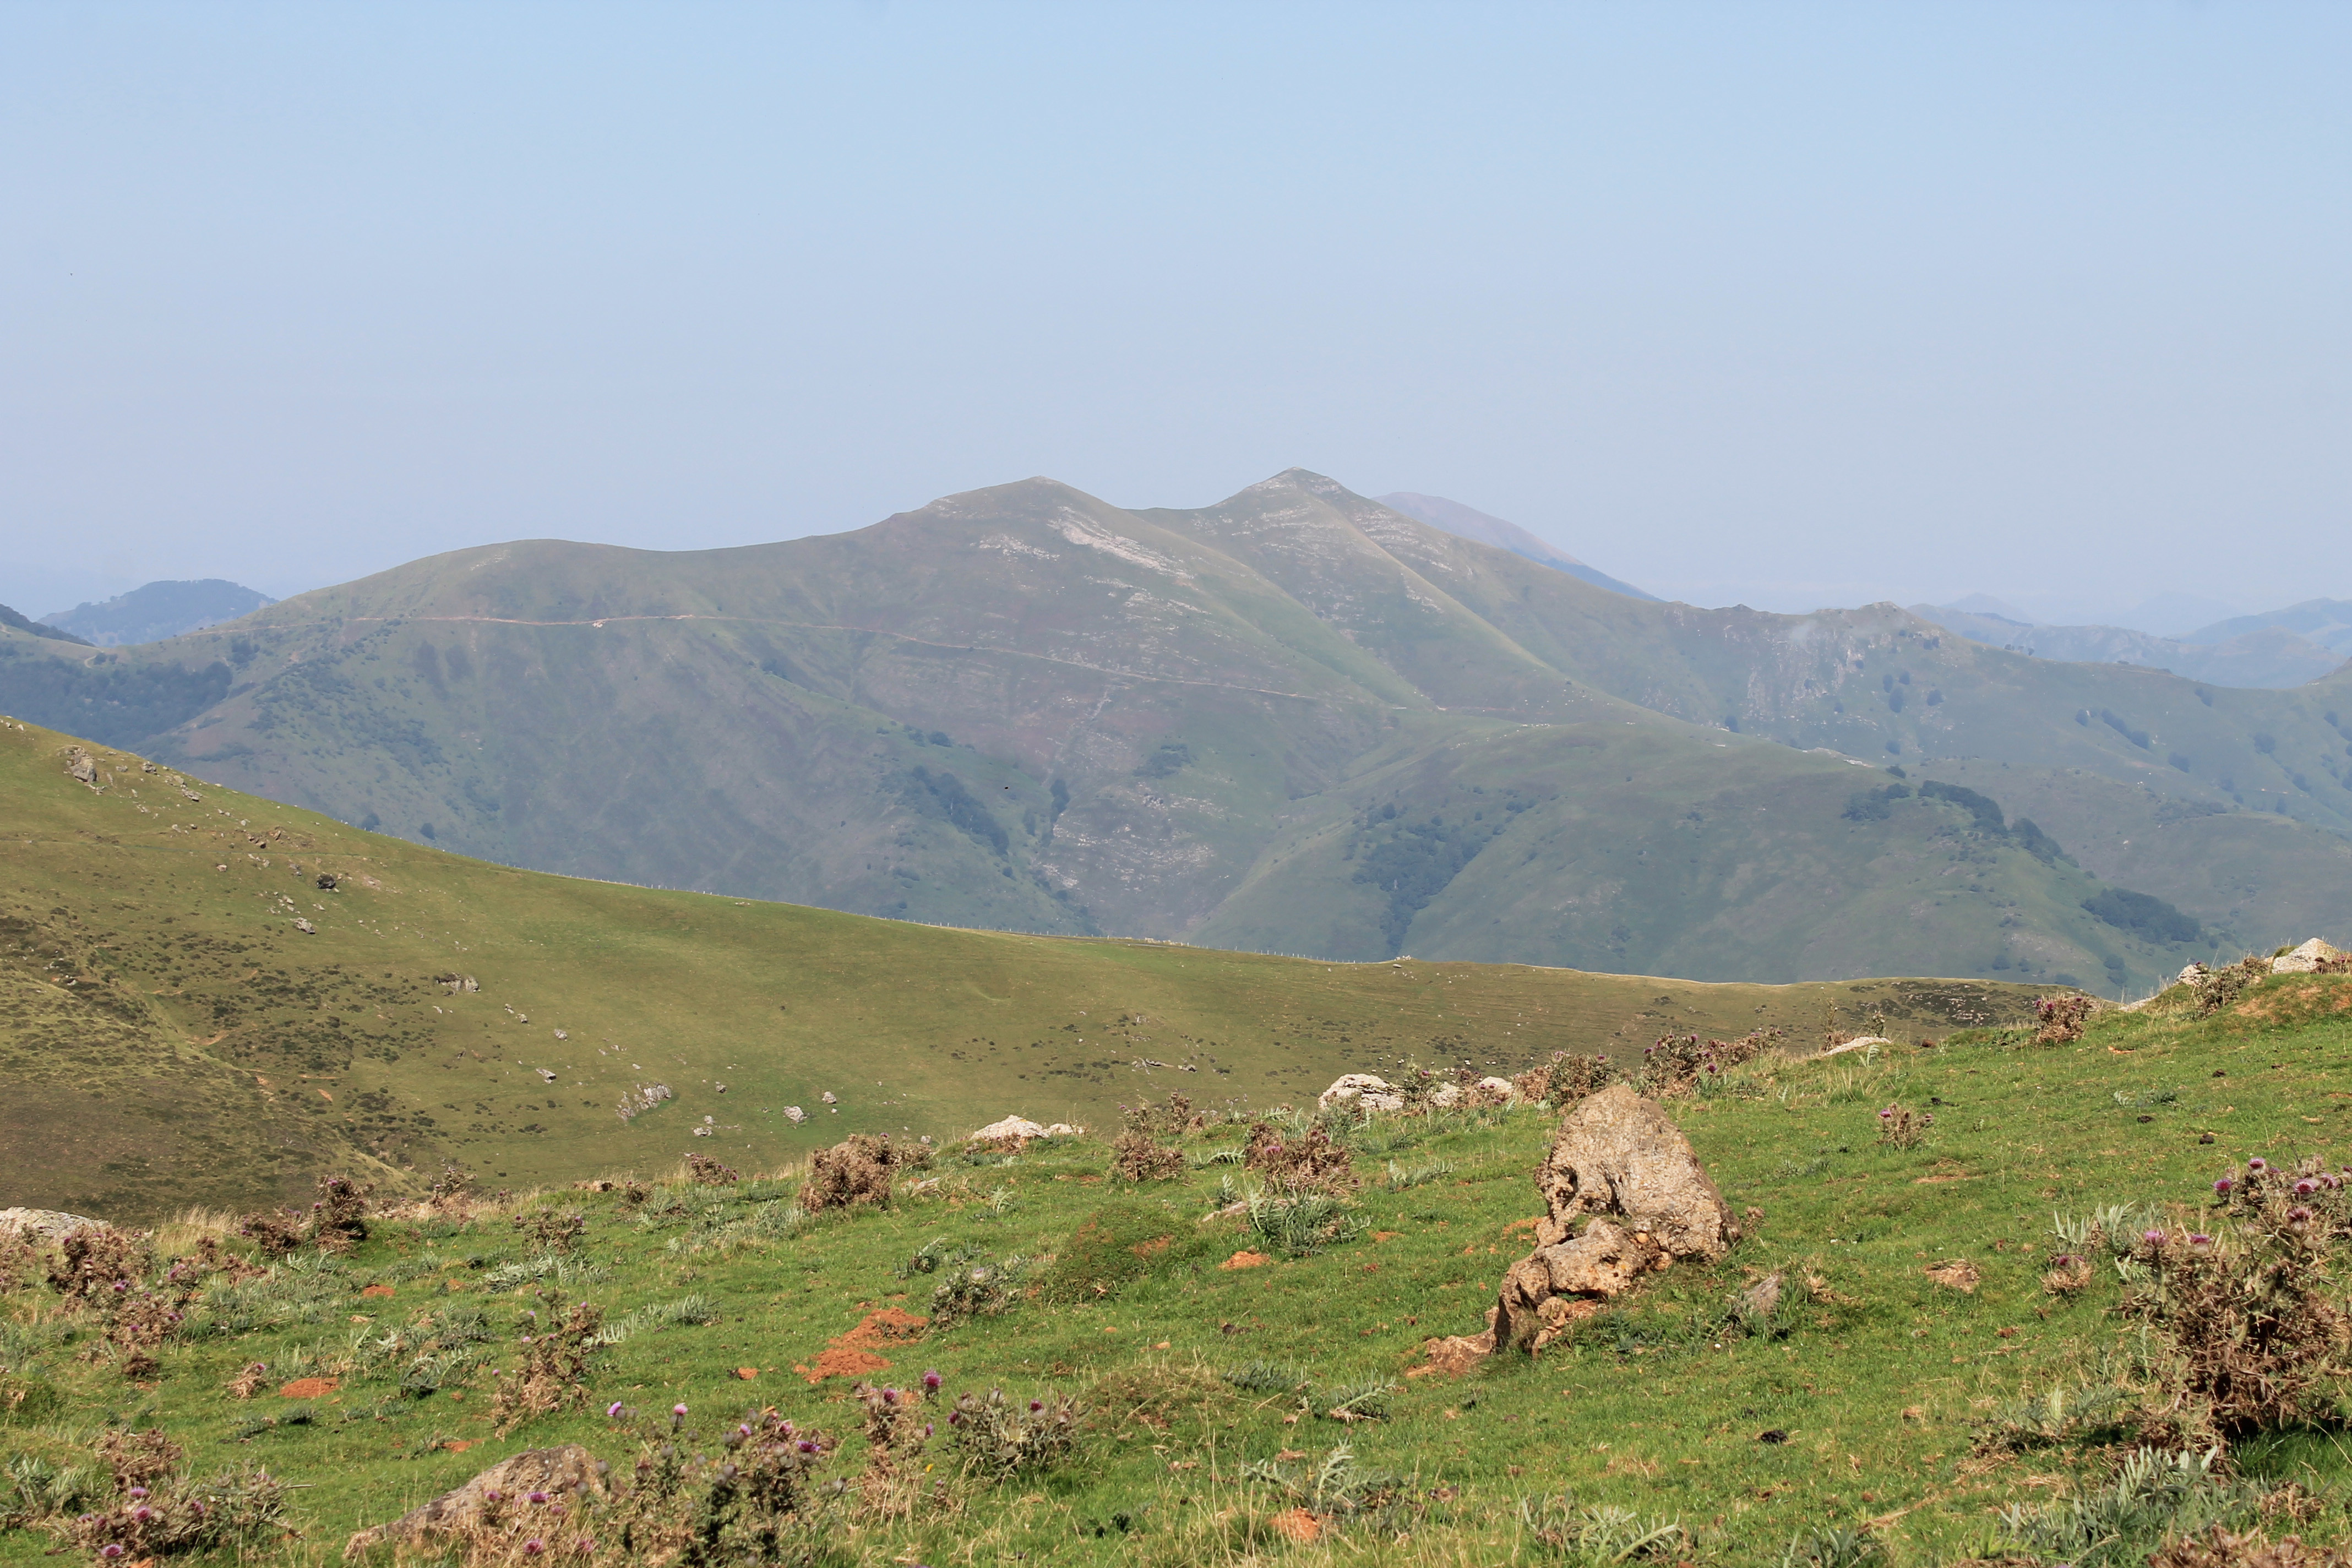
<point>51,1223</point>
<point>568,1469</point>
<point>1370,1090</point>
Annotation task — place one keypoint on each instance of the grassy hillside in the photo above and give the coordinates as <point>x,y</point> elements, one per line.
<point>1025,708</point>
<point>1922,1394</point>
<point>170,1034</point>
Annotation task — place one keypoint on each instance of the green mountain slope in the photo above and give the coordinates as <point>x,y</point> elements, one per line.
<point>170,1034</point>
<point>1025,708</point>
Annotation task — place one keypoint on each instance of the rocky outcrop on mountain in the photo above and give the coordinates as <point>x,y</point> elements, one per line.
<point>2308,959</point>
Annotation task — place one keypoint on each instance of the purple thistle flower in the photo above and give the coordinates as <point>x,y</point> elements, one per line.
<point>533,1547</point>
<point>138,1491</point>
<point>2304,1188</point>
<point>585,1543</point>
<point>926,1428</point>
<point>744,1427</point>
<point>2153,1238</point>
<point>142,1513</point>
<point>1036,1406</point>
<point>2258,1165</point>
<point>2298,1216</point>
<point>931,1380</point>
<point>955,1418</point>
<point>2200,1239</point>
<point>889,1396</point>
<point>612,1411</point>
<point>196,1509</point>
<point>678,1410</point>
<point>492,1495</point>
<point>806,1446</point>
<point>537,1498</point>
<point>110,1550</point>
<point>2223,1186</point>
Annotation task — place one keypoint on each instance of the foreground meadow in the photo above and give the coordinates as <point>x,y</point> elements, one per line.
<point>1960,1356</point>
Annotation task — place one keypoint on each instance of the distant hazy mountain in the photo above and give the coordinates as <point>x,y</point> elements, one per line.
<point>9,617</point>
<point>157,611</point>
<point>2172,614</point>
<point>1296,721</point>
<point>2259,655</point>
<point>1468,522</point>
<point>2328,622</point>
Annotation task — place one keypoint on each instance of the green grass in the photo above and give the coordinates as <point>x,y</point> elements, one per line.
<point>169,1036</point>
<point>1883,1385</point>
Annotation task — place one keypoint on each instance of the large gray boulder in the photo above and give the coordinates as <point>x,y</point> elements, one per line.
<point>1619,1163</point>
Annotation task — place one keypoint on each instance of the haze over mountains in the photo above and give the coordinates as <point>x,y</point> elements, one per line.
<point>2287,647</point>
<point>1299,720</point>
<point>158,610</point>
<point>1468,522</point>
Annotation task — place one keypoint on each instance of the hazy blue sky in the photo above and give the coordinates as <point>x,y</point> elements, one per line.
<point>1788,305</point>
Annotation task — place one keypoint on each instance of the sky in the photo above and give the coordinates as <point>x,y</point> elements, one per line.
<point>1787,305</point>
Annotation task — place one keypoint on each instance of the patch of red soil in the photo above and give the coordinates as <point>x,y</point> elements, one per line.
<point>851,1355</point>
<point>1245,1260</point>
<point>309,1388</point>
<point>889,1325</point>
<point>377,1290</point>
<point>1297,1524</point>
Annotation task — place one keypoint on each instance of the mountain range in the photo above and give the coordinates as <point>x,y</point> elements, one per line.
<point>1299,720</point>
<point>2287,647</point>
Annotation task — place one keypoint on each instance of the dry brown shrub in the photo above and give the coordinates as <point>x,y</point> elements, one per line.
<point>1903,1128</point>
<point>2258,1323</point>
<point>1135,1157</point>
<point>552,1231</point>
<point>2217,988</point>
<point>857,1171</point>
<point>274,1233</point>
<point>1566,1078</point>
<point>705,1171</point>
<point>1172,1120</point>
<point>339,1215</point>
<point>138,1458</point>
<point>20,1264</point>
<point>98,1262</point>
<point>2069,1274</point>
<point>250,1382</point>
<point>1298,1162</point>
<point>554,1374</point>
<point>1678,1062</point>
<point>2060,1020</point>
<point>2219,1548</point>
